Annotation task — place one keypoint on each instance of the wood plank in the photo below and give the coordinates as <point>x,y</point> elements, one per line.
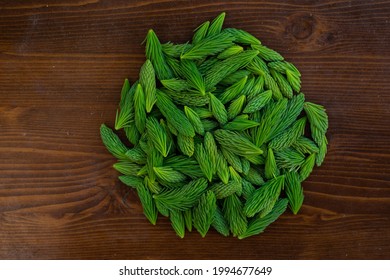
<point>62,64</point>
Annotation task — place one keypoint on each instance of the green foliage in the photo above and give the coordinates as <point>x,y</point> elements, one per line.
<point>125,114</point>
<point>148,204</point>
<point>203,213</point>
<point>216,25</point>
<point>232,159</point>
<point>258,102</point>
<point>271,169</point>
<point>305,145</point>
<point>223,68</point>
<point>155,54</point>
<point>271,117</point>
<point>222,168</point>
<point>293,110</point>
<point>235,77</point>
<point>112,142</point>
<point>186,144</point>
<point>203,113</point>
<point>158,136</point>
<point>233,91</point>
<point>220,224</point>
<point>168,174</point>
<point>132,133</point>
<point>161,208</point>
<point>283,67</point>
<point>131,181</point>
<point>205,65</point>
<point>182,198</point>
<point>218,133</point>
<point>188,219</point>
<point>242,37</point>
<point>317,116</point>
<point>254,177</point>
<point>236,143</point>
<point>222,190</point>
<point>289,136</point>
<point>136,155</point>
<point>236,177</point>
<point>240,124</point>
<point>186,165</point>
<point>257,88</point>
<point>294,80</point>
<point>233,212</point>
<point>246,165</point>
<point>177,222</point>
<point>200,32</point>
<point>152,185</point>
<point>247,189</point>
<point>218,109</point>
<point>265,197</point>
<point>127,168</point>
<point>204,161</point>
<point>318,121</point>
<point>188,98</point>
<point>208,46</point>
<point>289,159</point>
<point>259,224</point>
<point>154,159</point>
<point>211,150</point>
<point>307,167</point>
<point>194,78</point>
<point>194,119</point>
<point>147,79</point>
<point>174,116</point>
<point>235,108</point>
<point>139,108</point>
<point>258,66</point>
<point>322,151</point>
<point>209,125</point>
<point>294,191</point>
<point>175,84</point>
<point>283,84</point>
<point>175,50</point>
<point>267,54</point>
<point>233,50</point>
<point>271,84</point>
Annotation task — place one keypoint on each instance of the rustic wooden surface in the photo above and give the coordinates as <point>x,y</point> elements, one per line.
<point>62,64</point>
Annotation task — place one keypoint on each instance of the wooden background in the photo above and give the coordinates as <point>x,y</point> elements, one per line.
<point>62,64</point>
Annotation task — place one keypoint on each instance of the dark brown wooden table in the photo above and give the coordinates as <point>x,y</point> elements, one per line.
<point>62,64</point>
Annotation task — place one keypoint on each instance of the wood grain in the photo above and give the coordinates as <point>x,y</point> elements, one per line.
<point>62,64</point>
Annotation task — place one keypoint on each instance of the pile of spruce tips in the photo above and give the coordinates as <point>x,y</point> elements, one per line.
<point>220,134</point>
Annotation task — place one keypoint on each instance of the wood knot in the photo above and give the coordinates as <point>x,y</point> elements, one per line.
<point>301,26</point>
<point>326,38</point>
